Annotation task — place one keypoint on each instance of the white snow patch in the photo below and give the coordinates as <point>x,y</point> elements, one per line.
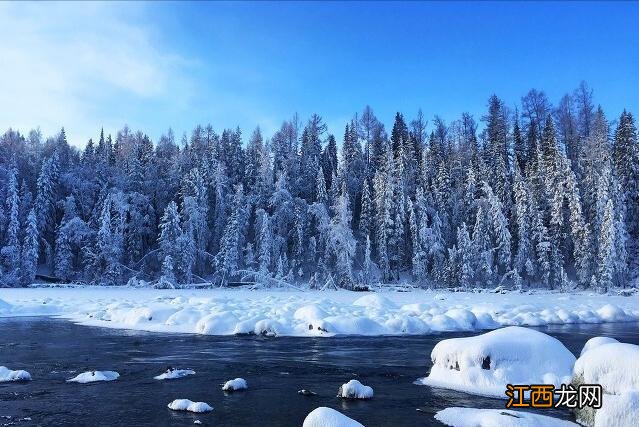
<point>486,363</point>
<point>190,406</point>
<point>7,375</point>
<point>355,390</point>
<point>94,376</point>
<point>327,417</point>
<point>172,374</point>
<point>472,417</point>
<point>234,385</point>
<point>615,366</point>
<point>618,410</point>
<point>312,313</point>
<point>596,342</point>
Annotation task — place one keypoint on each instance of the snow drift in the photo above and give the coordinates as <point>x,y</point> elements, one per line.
<point>486,363</point>
<point>471,417</point>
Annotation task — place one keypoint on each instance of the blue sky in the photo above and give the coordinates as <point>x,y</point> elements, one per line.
<point>155,65</point>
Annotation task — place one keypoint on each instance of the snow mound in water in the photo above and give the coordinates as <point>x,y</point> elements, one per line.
<point>7,375</point>
<point>234,385</point>
<point>596,342</point>
<point>615,366</point>
<point>172,374</point>
<point>190,406</point>
<point>618,410</point>
<point>486,363</point>
<point>94,376</point>
<point>471,417</point>
<point>355,390</point>
<point>327,417</point>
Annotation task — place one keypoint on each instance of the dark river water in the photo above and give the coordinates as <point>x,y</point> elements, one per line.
<point>54,350</point>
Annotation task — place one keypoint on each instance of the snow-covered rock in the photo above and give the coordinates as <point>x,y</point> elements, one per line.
<point>234,385</point>
<point>619,410</point>
<point>94,376</point>
<point>596,342</point>
<point>472,417</point>
<point>485,364</point>
<point>190,406</point>
<point>615,366</point>
<point>327,417</point>
<point>7,375</point>
<point>172,374</point>
<point>355,390</point>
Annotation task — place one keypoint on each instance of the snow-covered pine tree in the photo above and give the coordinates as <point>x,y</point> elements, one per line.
<point>30,250</point>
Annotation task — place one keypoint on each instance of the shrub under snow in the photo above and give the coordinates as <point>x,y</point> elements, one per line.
<point>7,375</point>
<point>234,385</point>
<point>94,376</point>
<point>355,390</point>
<point>327,417</point>
<point>485,364</point>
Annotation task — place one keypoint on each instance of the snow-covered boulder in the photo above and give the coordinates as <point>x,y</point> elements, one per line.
<point>355,390</point>
<point>596,342</point>
<point>234,385</point>
<point>190,406</point>
<point>485,364</point>
<point>619,410</point>
<point>7,375</point>
<point>327,417</point>
<point>616,367</point>
<point>172,374</point>
<point>472,417</point>
<point>94,376</point>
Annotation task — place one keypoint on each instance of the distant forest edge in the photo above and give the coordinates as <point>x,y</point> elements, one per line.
<point>544,196</point>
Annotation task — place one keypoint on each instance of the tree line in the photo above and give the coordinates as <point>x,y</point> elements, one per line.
<point>543,196</point>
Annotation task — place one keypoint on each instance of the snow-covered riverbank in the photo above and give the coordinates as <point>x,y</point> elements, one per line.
<point>313,313</point>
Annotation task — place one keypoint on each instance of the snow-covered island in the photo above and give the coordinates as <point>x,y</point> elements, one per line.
<point>314,313</point>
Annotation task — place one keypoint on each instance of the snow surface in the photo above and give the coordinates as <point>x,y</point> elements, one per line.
<point>596,342</point>
<point>472,417</point>
<point>615,366</point>
<point>355,390</point>
<point>619,410</point>
<point>485,364</point>
<point>327,417</point>
<point>313,313</point>
<point>7,375</point>
<point>236,384</point>
<point>172,374</point>
<point>190,406</point>
<point>94,376</point>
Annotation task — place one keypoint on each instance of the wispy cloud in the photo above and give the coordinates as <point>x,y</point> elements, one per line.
<point>71,64</point>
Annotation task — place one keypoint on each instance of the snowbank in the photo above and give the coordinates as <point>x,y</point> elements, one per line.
<point>619,411</point>
<point>234,385</point>
<point>327,417</point>
<point>172,374</point>
<point>355,390</point>
<point>190,406</point>
<point>471,417</point>
<point>94,376</point>
<point>486,363</point>
<point>7,375</point>
<point>313,313</point>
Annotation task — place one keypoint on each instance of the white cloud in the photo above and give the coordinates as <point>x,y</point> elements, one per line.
<point>69,64</point>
